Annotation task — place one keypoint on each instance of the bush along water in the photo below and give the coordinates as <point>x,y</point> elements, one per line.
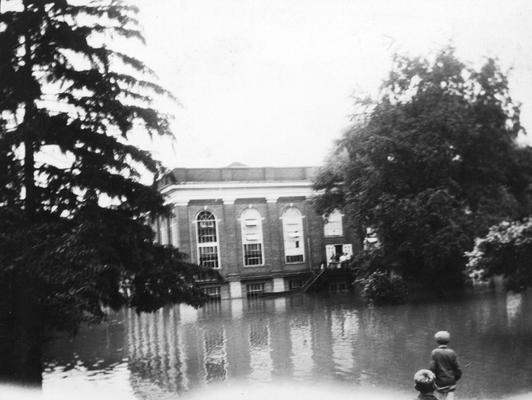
<point>384,288</point>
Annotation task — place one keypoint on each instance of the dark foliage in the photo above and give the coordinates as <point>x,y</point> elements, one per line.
<point>430,165</point>
<point>383,288</point>
<point>506,250</point>
<point>77,233</point>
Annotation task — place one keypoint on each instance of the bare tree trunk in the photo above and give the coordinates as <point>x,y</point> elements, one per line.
<point>21,328</point>
<point>21,334</point>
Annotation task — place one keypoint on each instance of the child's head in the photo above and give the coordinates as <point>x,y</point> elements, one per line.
<point>442,337</point>
<point>424,381</point>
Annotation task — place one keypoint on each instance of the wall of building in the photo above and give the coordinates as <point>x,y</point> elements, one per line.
<point>227,193</point>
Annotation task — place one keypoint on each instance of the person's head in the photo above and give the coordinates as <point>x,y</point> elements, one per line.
<point>442,337</point>
<point>424,381</point>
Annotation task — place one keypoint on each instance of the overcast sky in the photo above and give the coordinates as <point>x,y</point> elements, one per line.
<point>270,82</point>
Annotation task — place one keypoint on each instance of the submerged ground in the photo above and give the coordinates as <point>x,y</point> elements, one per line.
<point>295,347</point>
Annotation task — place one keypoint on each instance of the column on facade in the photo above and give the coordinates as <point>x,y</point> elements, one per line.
<point>274,249</point>
<point>231,248</point>
<point>229,241</point>
<point>315,239</point>
<point>235,289</point>
<point>163,230</point>
<point>174,231</point>
<point>278,284</point>
<point>184,229</point>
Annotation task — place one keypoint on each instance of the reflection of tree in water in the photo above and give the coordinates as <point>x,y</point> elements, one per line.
<point>98,348</point>
<point>215,354</point>
<point>296,301</point>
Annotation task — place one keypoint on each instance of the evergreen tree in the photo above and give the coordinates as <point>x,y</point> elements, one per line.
<point>77,237</point>
<point>430,165</point>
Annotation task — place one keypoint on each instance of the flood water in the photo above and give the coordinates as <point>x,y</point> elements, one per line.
<point>301,341</point>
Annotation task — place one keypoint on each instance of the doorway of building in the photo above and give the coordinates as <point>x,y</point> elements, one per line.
<point>333,252</point>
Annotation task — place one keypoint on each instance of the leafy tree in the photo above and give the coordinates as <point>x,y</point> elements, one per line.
<point>382,288</point>
<point>431,164</point>
<point>76,237</point>
<point>506,250</point>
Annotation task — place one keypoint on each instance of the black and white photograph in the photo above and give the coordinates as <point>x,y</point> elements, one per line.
<point>265,199</point>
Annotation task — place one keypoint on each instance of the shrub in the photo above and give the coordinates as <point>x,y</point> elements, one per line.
<point>506,250</point>
<point>384,288</point>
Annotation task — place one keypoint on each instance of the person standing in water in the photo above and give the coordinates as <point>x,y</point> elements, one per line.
<point>424,381</point>
<point>445,366</point>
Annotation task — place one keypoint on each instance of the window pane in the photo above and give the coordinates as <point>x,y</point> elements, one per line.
<point>206,228</point>
<point>208,256</point>
<point>294,259</point>
<point>254,289</point>
<point>333,224</point>
<point>295,284</point>
<point>252,254</point>
<point>213,292</point>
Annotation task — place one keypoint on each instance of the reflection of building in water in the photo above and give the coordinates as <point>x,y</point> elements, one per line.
<point>301,340</point>
<point>156,354</point>
<point>175,350</point>
<point>326,339</point>
<point>344,329</point>
<point>215,354</point>
<point>513,307</point>
<point>257,226</point>
<point>259,349</point>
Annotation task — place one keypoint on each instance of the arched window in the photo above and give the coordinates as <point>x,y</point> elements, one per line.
<point>251,224</point>
<point>294,244</point>
<point>333,224</point>
<point>207,240</point>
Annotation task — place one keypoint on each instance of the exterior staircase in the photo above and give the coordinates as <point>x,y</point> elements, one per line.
<point>312,280</point>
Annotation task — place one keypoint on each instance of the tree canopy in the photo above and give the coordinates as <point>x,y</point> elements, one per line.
<point>429,165</point>
<point>506,250</point>
<point>75,235</point>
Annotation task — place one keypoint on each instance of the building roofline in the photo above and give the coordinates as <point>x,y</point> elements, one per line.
<point>179,176</point>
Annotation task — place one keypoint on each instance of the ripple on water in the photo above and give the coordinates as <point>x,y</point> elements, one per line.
<point>312,342</point>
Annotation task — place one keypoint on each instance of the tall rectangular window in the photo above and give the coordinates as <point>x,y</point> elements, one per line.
<point>251,227</point>
<point>208,256</point>
<point>333,224</point>
<point>206,231</point>
<point>208,248</point>
<point>294,245</point>
<point>252,254</point>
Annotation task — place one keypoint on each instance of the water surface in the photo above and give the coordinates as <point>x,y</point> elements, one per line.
<point>301,341</point>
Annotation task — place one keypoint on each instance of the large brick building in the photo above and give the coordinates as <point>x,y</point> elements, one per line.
<point>256,226</point>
